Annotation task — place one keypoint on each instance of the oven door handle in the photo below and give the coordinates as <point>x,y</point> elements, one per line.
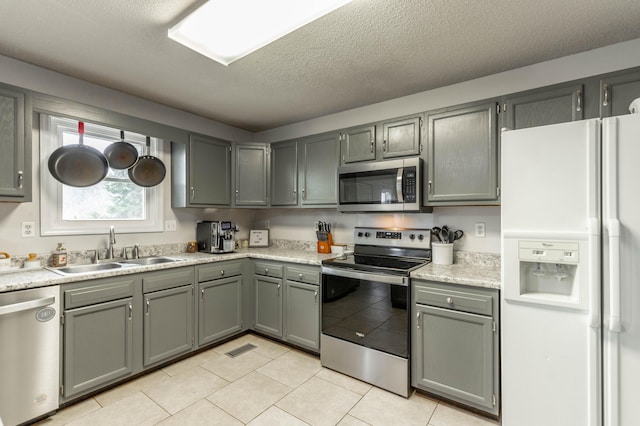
<point>359,275</point>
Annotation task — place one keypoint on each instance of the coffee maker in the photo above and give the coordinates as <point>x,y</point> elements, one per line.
<point>216,236</point>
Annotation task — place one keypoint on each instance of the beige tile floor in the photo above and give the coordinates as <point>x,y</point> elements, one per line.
<point>270,385</point>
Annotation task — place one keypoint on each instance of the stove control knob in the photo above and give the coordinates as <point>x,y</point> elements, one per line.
<point>421,237</point>
<point>412,237</point>
<point>360,234</point>
<point>367,234</point>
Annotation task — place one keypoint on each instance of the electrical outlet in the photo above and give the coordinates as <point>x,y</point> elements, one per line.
<point>266,224</point>
<point>28,229</point>
<point>169,225</point>
<point>479,227</point>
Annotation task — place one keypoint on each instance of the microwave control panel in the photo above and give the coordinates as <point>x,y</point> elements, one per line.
<point>409,185</point>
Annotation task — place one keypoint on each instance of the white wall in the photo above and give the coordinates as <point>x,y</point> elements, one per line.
<point>298,224</point>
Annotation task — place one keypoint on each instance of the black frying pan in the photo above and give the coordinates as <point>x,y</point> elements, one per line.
<point>148,170</point>
<point>121,155</point>
<point>78,165</point>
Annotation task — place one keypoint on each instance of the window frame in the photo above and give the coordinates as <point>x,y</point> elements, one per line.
<point>51,203</point>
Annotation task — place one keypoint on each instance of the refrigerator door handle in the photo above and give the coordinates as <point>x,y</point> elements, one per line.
<point>615,325</point>
<point>594,274</point>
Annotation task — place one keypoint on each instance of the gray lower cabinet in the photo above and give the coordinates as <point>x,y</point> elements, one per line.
<point>462,155</point>
<point>97,334</point>
<point>287,303</point>
<point>401,137</point>
<point>358,144</point>
<point>455,346</point>
<point>219,301</point>
<point>617,91</point>
<point>251,175</point>
<point>318,158</point>
<point>201,172</point>
<point>302,307</point>
<point>541,107</point>
<point>268,298</point>
<point>168,314</point>
<point>15,146</point>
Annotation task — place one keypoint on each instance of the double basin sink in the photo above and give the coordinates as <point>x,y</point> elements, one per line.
<point>116,264</point>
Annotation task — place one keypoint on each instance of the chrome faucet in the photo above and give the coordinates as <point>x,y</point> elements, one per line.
<point>112,241</point>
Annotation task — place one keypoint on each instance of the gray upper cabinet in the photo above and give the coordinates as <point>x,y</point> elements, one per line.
<point>543,107</point>
<point>284,173</point>
<point>318,158</point>
<point>401,138</point>
<point>617,91</point>
<point>201,172</point>
<point>15,146</point>
<point>462,155</point>
<point>358,144</point>
<point>251,175</point>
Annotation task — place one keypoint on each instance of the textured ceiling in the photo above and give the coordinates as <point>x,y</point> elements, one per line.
<point>366,52</point>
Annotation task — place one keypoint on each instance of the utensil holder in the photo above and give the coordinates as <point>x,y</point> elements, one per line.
<point>442,253</point>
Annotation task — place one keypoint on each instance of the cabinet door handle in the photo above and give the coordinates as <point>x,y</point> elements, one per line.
<point>300,276</point>
<point>579,100</point>
<point>278,288</point>
<point>202,295</point>
<point>266,270</point>
<point>221,272</point>
<point>130,311</point>
<point>418,319</point>
<point>20,178</point>
<point>147,303</point>
<point>605,89</point>
<point>429,187</point>
<point>315,296</point>
<point>384,145</point>
<point>372,147</point>
<point>450,300</point>
<point>193,193</point>
<point>304,197</point>
<point>237,194</point>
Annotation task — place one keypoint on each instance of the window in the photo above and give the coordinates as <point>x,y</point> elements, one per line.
<point>67,210</point>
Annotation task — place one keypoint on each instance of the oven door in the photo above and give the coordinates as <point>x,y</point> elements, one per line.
<point>367,311</point>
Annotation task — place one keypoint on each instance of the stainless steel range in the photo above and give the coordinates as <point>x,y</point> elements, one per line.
<point>366,305</point>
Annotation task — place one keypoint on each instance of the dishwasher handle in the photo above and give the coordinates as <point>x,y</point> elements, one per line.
<point>25,306</point>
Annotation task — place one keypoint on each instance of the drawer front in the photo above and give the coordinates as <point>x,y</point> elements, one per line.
<point>268,269</point>
<point>101,291</point>
<point>219,270</point>
<point>167,278</point>
<point>304,275</point>
<point>452,299</point>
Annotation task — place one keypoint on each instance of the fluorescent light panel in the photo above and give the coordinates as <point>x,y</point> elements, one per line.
<point>227,30</point>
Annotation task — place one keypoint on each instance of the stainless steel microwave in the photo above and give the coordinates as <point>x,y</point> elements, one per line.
<point>382,186</point>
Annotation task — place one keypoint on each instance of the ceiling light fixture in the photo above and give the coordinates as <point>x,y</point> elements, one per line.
<point>226,30</point>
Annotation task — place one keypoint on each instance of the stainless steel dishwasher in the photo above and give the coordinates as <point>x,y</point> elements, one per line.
<point>29,354</point>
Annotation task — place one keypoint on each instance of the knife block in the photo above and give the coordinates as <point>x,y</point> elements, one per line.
<point>324,247</point>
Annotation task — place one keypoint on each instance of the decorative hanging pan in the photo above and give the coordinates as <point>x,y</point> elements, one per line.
<point>148,170</point>
<point>78,165</point>
<point>121,155</point>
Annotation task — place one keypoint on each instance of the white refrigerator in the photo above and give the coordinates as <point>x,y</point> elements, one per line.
<point>570,295</point>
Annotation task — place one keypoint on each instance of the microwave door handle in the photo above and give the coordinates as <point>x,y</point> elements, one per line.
<point>399,185</point>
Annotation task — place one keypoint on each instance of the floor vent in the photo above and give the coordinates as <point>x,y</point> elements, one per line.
<point>242,349</point>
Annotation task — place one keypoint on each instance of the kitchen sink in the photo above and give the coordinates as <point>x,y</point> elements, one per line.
<point>83,269</point>
<point>152,260</point>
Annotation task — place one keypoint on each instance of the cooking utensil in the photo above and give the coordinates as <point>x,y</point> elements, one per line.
<point>435,232</point>
<point>148,170</point>
<point>444,234</point>
<point>78,165</point>
<point>121,155</point>
<point>456,235</point>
